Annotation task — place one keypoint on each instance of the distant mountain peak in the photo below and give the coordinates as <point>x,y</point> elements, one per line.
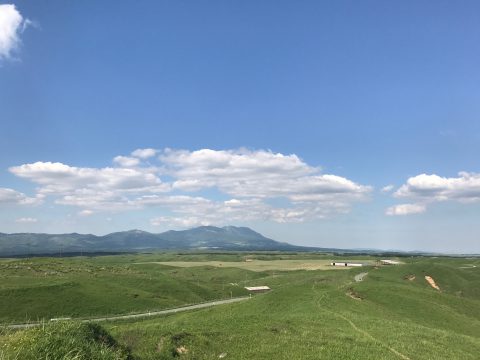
<point>202,237</point>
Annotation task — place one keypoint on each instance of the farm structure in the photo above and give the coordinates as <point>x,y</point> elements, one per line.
<point>346,264</point>
<point>257,289</point>
<point>389,262</point>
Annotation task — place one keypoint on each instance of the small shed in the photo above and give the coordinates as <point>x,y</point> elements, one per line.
<point>346,264</point>
<point>257,289</point>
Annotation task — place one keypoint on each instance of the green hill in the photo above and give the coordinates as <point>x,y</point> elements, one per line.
<point>325,315</point>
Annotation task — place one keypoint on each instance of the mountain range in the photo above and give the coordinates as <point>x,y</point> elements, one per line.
<point>199,238</point>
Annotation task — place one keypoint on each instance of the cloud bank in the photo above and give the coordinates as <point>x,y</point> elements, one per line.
<point>426,189</point>
<point>10,196</point>
<point>26,220</point>
<point>464,188</point>
<point>406,209</point>
<point>199,187</point>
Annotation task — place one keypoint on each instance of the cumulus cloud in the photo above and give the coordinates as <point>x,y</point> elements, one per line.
<point>262,174</point>
<point>61,178</point>
<point>126,161</point>
<point>85,212</point>
<point>425,189</point>
<point>10,196</point>
<point>183,222</point>
<point>405,209</point>
<point>181,182</point>
<point>387,189</point>
<point>144,153</point>
<point>12,24</point>
<point>464,188</point>
<point>26,220</point>
<point>95,188</point>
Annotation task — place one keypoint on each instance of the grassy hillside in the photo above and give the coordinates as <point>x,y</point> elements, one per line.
<point>33,289</point>
<point>392,314</point>
<point>44,288</point>
<point>324,314</point>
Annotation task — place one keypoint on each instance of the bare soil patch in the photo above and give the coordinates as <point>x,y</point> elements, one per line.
<point>431,282</point>
<point>353,294</point>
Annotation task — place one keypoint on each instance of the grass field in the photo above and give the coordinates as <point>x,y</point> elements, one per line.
<point>43,288</point>
<point>309,314</point>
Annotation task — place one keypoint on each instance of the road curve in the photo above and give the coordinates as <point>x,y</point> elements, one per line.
<point>468,266</point>
<point>141,315</point>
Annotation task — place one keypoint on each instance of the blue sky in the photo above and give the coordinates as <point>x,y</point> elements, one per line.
<point>346,123</point>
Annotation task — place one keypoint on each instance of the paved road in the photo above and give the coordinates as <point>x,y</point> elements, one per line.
<point>142,315</point>
<point>359,277</point>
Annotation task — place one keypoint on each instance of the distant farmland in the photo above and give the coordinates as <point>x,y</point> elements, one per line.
<point>258,265</point>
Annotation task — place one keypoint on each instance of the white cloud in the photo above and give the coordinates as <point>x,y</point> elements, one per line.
<point>405,209</point>
<point>262,174</point>
<point>10,196</point>
<point>144,153</point>
<point>61,178</point>
<point>387,189</point>
<point>93,188</point>
<point>183,222</point>
<point>26,220</point>
<point>425,189</point>
<point>126,161</point>
<point>261,185</point>
<point>85,212</point>
<point>430,188</point>
<point>12,24</point>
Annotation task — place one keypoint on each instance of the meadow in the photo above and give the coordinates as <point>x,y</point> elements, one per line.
<point>309,314</point>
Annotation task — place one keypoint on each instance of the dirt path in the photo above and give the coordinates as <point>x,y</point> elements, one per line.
<point>142,315</point>
<point>371,337</point>
<point>322,296</point>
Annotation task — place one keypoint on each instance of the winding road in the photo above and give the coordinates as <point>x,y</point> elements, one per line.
<point>138,316</point>
<point>468,266</point>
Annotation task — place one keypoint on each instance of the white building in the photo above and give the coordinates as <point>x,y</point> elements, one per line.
<point>346,264</point>
<point>257,289</point>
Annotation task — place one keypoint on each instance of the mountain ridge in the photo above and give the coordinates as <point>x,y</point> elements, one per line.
<point>199,238</point>
<point>203,238</point>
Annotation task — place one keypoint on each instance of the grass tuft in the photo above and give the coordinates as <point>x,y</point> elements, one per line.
<point>66,340</point>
